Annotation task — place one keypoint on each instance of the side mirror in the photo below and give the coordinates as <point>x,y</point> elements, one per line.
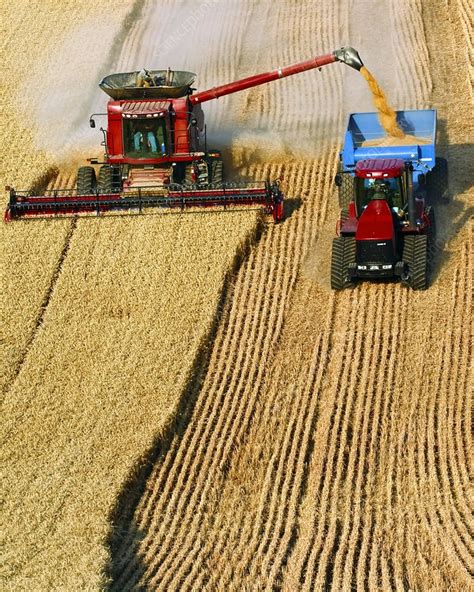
<point>338,180</point>
<point>193,121</point>
<point>91,122</point>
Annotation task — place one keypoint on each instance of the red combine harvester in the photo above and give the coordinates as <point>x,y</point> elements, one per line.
<point>156,151</point>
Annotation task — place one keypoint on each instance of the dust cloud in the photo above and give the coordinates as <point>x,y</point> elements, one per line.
<point>285,117</point>
<point>63,86</point>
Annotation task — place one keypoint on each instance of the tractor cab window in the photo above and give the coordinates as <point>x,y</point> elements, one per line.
<point>388,189</point>
<point>144,138</point>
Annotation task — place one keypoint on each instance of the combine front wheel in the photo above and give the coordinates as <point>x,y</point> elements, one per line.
<point>189,175</point>
<point>104,182</point>
<point>86,181</point>
<point>217,172</point>
<point>343,254</point>
<point>415,255</point>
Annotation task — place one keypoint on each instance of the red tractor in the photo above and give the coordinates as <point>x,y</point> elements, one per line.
<point>387,224</point>
<point>156,152</point>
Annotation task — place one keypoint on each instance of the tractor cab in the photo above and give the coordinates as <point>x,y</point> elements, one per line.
<point>381,179</point>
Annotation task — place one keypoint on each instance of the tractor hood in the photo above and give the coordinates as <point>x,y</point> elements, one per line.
<point>375,222</point>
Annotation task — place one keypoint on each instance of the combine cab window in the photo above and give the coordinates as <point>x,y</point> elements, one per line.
<point>386,188</point>
<point>144,138</point>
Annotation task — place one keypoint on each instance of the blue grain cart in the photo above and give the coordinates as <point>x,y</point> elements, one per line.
<point>386,193</point>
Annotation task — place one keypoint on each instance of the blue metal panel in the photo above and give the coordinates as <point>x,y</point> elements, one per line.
<point>365,126</point>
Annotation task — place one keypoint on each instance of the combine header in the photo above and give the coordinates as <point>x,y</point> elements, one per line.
<point>156,153</point>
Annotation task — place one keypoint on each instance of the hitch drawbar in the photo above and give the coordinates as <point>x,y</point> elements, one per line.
<point>67,202</point>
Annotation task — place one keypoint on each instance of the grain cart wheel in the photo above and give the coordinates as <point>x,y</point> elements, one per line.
<point>343,254</point>
<point>346,194</point>
<point>217,172</point>
<point>86,181</point>
<point>105,182</point>
<point>415,255</point>
<point>437,182</point>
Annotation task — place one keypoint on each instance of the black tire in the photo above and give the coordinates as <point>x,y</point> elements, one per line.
<point>217,172</point>
<point>431,234</point>
<point>86,181</point>
<point>415,255</point>
<point>105,181</point>
<point>343,254</point>
<point>437,182</point>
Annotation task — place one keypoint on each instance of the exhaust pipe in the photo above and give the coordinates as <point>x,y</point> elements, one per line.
<point>410,194</point>
<point>349,56</point>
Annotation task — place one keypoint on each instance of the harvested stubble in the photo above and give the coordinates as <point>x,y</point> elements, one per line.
<point>103,378</point>
<point>101,321</point>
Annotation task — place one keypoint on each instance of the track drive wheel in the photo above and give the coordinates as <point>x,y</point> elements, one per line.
<point>343,254</point>
<point>431,236</point>
<point>415,255</point>
<point>86,181</point>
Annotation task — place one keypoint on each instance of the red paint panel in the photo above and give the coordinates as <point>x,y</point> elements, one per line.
<point>379,167</point>
<point>258,79</point>
<point>376,222</point>
<point>141,108</point>
<point>181,133</point>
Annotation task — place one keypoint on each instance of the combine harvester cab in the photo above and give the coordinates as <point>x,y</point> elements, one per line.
<point>156,153</point>
<point>386,193</point>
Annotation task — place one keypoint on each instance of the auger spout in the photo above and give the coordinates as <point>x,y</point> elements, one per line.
<point>348,55</point>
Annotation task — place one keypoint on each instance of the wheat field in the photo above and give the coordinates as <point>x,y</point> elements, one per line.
<point>104,324</point>
<point>305,439</point>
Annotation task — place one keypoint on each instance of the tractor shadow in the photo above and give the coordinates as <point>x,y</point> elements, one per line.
<point>454,212</point>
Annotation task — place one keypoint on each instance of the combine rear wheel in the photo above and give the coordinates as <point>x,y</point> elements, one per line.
<point>415,255</point>
<point>343,254</point>
<point>86,181</point>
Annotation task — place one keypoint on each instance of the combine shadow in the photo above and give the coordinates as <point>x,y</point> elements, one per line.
<point>121,518</point>
<point>41,182</point>
<point>291,205</point>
